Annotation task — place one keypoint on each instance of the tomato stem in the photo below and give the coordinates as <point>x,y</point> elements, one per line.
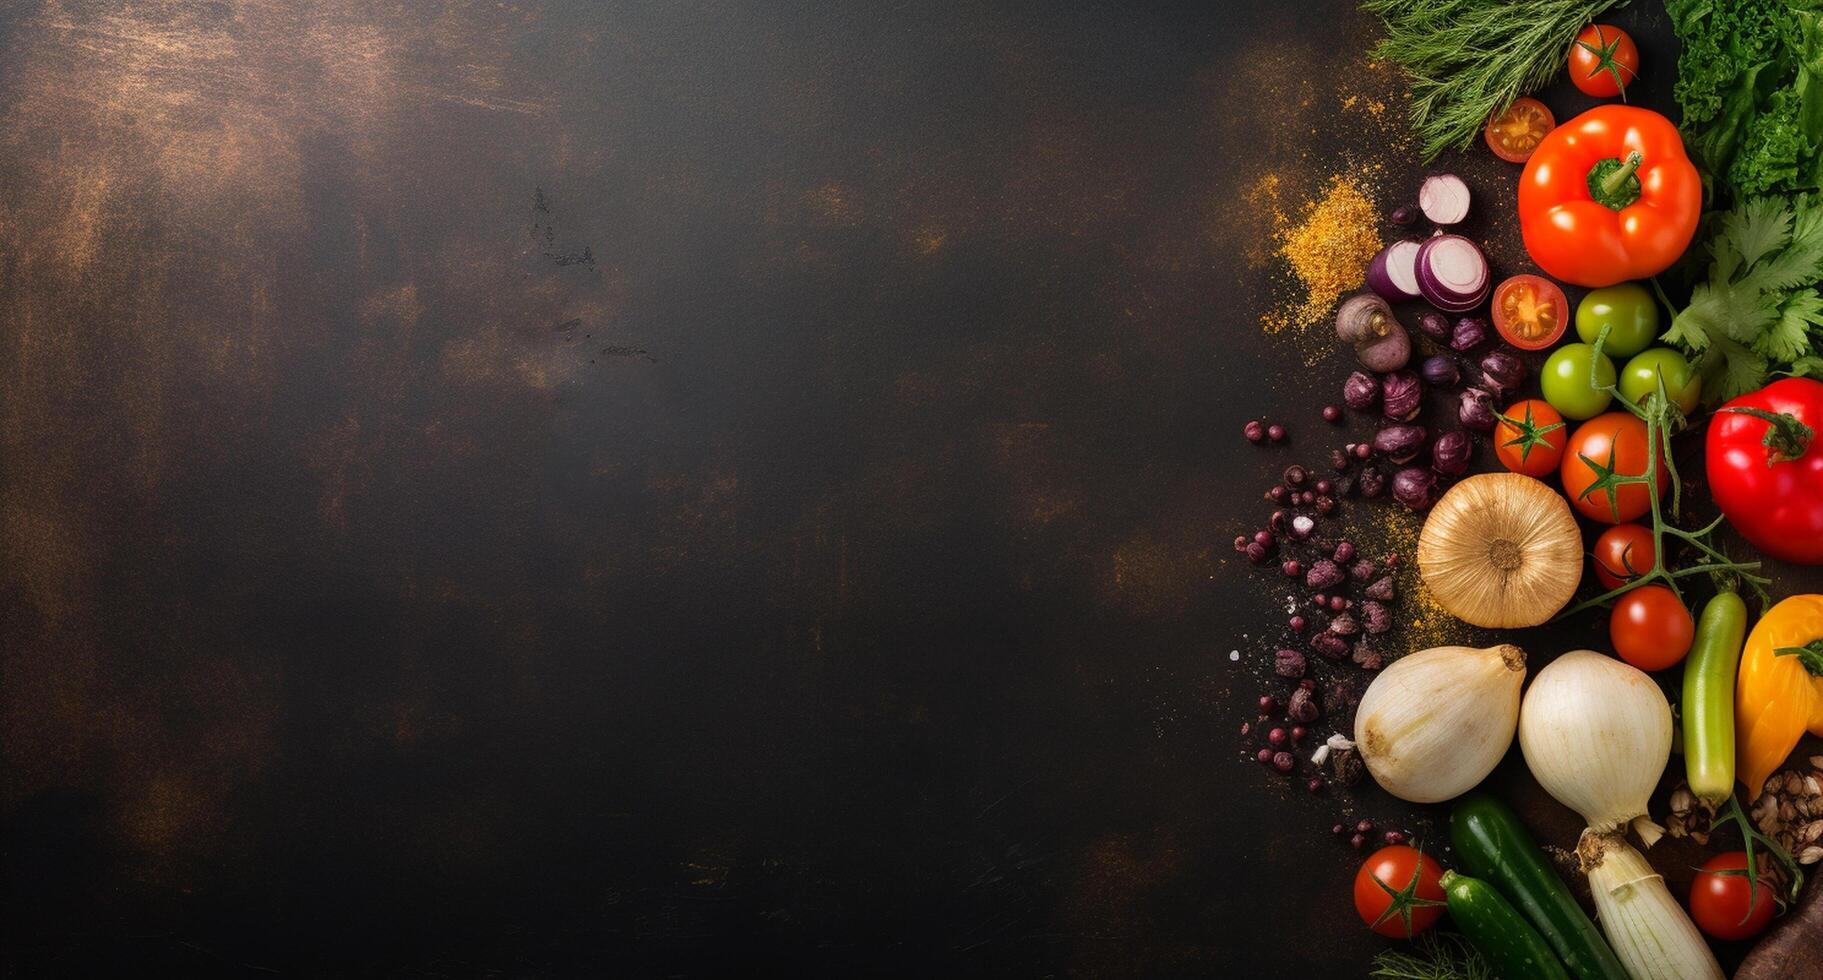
<point>1786,437</point>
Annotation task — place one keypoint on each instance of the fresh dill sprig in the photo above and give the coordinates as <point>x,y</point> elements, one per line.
<point>1435,956</point>
<point>1469,59</point>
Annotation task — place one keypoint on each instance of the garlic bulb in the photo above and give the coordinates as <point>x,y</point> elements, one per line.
<point>1501,550</point>
<point>1596,734</point>
<point>1436,722</point>
<point>1647,929</point>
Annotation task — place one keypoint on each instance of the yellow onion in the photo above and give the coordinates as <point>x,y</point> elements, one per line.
<point>1501,550</point>
<point>1436,722</point>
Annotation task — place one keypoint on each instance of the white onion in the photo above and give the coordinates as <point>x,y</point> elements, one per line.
<point>1648,930</point>
<point>1436,722</point>
<point>1596,734</point>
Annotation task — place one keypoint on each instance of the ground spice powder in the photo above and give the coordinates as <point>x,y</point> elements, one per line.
<point>1327,248</point>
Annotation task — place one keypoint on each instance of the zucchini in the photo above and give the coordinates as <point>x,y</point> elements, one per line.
<point>1492,844</point>
<point>1709,698</point>
<point>1514,949</point>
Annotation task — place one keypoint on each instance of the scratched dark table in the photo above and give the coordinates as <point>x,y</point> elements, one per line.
<point>661,489</point>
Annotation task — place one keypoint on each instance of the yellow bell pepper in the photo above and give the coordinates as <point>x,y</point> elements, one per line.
<point>1778,695</point>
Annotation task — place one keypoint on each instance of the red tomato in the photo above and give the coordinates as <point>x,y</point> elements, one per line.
<point>1397,891</point>
<point>1603,448</point>
<point>1725,904</point>
<point>1530,312</point>
<point>1772,491</point>
<point>1515,133</point>
<point>1603,61</point>
<point>1650,628</point>
<point>1530,437</point>
<point>1623,553</point>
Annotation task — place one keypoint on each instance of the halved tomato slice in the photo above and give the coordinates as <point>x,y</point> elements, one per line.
<point>1530,312</point>
<point>1515,133</point>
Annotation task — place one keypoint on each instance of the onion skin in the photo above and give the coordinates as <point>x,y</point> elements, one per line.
<point>1502,373</point>
<point>1596,734</point>
<point>1401,396</point>
<point>1399,443</point>
<point>1501,550</point>
<point>1436,722</point>
<point>1450,453</point>
<point>1360,392</point>
<point>1415,487</point>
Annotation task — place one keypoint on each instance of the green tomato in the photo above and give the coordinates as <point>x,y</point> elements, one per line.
<point>1566,381</point>
<point>1639,379</point>
<point>1629,313</point>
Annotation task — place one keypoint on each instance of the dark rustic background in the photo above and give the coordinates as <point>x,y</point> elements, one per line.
<point>658,489</point>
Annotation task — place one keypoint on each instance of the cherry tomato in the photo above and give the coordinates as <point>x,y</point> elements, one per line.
<point>1530,312</point>
<point>1515,133</point>
<point>1529,438</point>
<point>1397,891</point>
<point>1623,553</point>
<point>1565,381</point>
<point>1639,379</point>
<point>1603,61</point>
<point>1725,904</point>
<point>1629,313</point>
<point>1602,449</point>
<point>1650,628</point>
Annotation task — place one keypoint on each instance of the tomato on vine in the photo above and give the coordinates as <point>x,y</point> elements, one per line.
<point>1623,553</point>
<point>1604,61</point>
<point>1602,465</point>
<point>1529,438</point>
<point>1398,891</point>
<point>1725,903</point>
<point>1650,628</point>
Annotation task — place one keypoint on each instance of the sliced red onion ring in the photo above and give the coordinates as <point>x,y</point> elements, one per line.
<point>1452,273</point>
<point>1394,272</point>
<point>1444,198</point>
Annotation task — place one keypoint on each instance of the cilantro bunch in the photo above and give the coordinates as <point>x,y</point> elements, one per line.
<point>1759,310</point>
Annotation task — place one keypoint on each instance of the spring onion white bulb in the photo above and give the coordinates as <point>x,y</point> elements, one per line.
<point>1647,928</point>
<point>1596,734</point>
<point>1436,722</point>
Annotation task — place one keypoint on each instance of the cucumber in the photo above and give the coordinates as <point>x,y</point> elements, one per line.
<point>1492,844</point>
<point>1709,698</point>
<point>1514,949</point>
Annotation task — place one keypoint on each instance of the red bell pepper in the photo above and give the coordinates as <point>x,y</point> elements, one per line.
<point>1609,196</point>
<point>1766,468</point>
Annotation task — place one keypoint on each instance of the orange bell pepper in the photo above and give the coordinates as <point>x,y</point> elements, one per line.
<point>1609,196</point>
<point>1779,690</point>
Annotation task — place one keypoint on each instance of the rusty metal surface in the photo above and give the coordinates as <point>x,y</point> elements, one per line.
<point>537,488</point>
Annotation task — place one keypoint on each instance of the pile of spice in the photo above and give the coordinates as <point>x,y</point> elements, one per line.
<point>1327,248</point>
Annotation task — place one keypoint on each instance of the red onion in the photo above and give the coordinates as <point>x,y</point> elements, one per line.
<point>1360,391</point>
<point>1452,273</point>
<point>1469,333</point>
<point>1502,372</point>
<point>1415,487</point>
<point>1476,410</point>
<point>1401,395</point>
<point>1365,321</point>
<point>1444,198</point>
<point>1436,326</point>
<point>1440,371</point>
<point>1450,453</point>
<point>1394,272</point>
<point>1399,443</point>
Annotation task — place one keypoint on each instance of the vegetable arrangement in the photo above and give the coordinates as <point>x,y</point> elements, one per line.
<point>1620,200</point>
